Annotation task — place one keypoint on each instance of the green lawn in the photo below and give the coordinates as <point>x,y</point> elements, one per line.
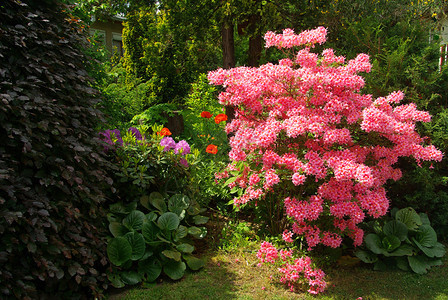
<point>233,274</point>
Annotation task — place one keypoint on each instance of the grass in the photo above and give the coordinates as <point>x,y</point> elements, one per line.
<point>232,273</point>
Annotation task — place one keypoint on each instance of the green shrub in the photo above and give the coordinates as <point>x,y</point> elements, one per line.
<point>52,237</point>
<point>407,242</point>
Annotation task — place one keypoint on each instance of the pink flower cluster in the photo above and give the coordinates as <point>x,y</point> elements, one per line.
<point>293,271</point>
<point>304,123</point>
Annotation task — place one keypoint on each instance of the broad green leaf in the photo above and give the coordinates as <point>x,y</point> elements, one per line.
<point>403,263</point>
<point>119,250</point>
<point>396,228</point>
<point>130,277</point>
<point>194,208</point>
<point>148,253</point>
<point>168,221</point>
<point>117,229</point>
<point>185,248</point>
<point>120,208</point>
<point>197,232</point>
<point>150,231</point>
<point>194,263</point>
<point>137,243</point>
<point>135,220</point>
<point>152,216</point>
<point>178,203</point>
<point>380,266</point>
<point>403,250</point>
<point>425,219</point>
<point>438,250</point>
<point>144,200</point>
<point>156,199</point>
<point>172,254</point>
<point>373,243</point>
<point>390,243</point>
<point>409,217</point>
<point>199,220</point>
<point>419,264</point>
<point>151,268</point>
<point>426,236</point>
<point>115,280</point>
<point>181,232</point>
<point>366,256</point>
<point>174,269</point>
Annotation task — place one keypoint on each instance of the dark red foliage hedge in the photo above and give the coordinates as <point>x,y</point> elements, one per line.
<point>52,177</point>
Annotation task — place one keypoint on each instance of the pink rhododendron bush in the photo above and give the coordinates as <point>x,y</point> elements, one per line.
<point>305,137</point>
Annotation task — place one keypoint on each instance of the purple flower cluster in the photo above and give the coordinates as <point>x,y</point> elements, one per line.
<point>111,135</point>
<point>182,148</point>
<point>111,138</point>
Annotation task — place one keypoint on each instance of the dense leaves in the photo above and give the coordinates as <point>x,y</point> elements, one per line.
<point>52,178</point>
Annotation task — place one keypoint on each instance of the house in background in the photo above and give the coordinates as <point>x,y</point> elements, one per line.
<point>109,31</point>
<point>443,41</point>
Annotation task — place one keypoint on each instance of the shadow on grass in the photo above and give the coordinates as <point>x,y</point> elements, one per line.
<point>362,281</point>
<point>214,281</point>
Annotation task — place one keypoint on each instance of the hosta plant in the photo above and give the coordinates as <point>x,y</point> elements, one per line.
<point>154,237</point>
<point>407,242</point>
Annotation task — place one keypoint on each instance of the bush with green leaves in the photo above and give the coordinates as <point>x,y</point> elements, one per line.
<point>407,242</point>
<point>154,237</point>
<point>53,177</point>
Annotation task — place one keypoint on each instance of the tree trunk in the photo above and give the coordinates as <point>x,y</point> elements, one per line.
<point>255,41</point>
<point>228,55</point>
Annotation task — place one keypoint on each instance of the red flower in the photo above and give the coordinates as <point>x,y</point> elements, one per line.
<point>165,131</point>
<point>206,114</point>
<point>219,118</point>
<point>212,149</point>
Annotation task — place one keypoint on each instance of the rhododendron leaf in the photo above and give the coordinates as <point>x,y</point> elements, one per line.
<point>366,256</point>
<point>151,267</point>
<point>117,229</point>
<point>174,269</point>
<point>168,221</point>
<point>396,228</point>
<point>194,263</point>
<point>178,203</point>
<point>135,220</point>
<point>172,254</point>
<point>199,220</point>
<point>185,248</point>
<point>119,251</point>
<point>156,199</point>
<point>426,236</point>
<point>230,180</point>
<point>130,277</point>
<point>137,243</point>
<point>409,217</point>
<point>373,243</point>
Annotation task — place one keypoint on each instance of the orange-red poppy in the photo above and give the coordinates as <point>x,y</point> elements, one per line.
<point>206,114</point>
<point>165,131</point>
<point>212,149</point>
<point>219,118</point>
